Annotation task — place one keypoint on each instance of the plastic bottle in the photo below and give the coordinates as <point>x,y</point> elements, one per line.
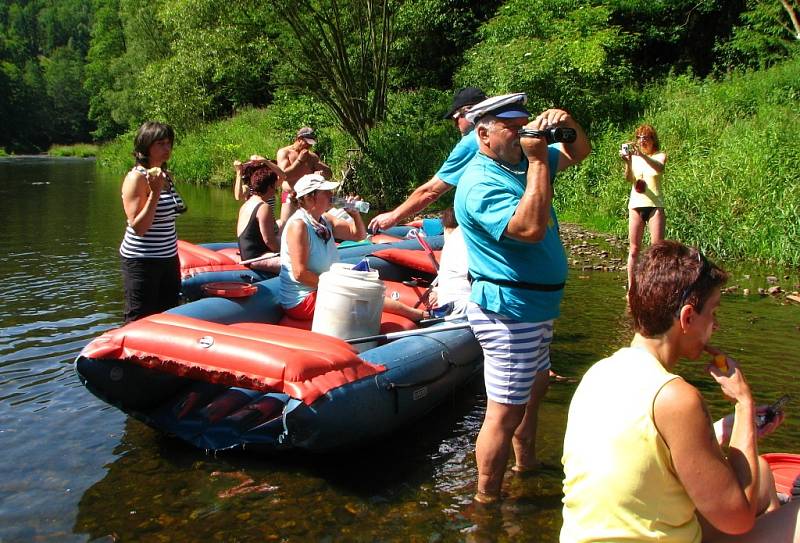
<point>360,205</point>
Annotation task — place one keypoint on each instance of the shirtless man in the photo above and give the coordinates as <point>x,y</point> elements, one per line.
<point>297,160</point>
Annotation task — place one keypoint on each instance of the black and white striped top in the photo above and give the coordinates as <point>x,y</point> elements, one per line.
<point>161,240</point>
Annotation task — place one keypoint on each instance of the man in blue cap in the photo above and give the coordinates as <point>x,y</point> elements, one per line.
<point>449,173</point>
<point>518,268</point>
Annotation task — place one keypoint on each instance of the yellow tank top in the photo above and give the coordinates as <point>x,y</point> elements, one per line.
<point>651,197</point>
<point>619,481</point>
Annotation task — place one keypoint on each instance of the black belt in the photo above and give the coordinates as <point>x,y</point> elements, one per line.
<point>519,284</point>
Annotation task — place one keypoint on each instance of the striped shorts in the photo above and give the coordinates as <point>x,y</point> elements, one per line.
<point>513,353</point>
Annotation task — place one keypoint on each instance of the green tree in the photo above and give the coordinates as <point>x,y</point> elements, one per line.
<point>769,32</point>
<point>431,38</point>
<point>220,59</point>
<point>563,53</point>
<point>68,104</point>
<point>339,53</point>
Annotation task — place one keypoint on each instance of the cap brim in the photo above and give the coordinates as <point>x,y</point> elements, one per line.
<point>328,185</point>
<point>449,114</point>
<point>513,114</point>
<point>310,141</point>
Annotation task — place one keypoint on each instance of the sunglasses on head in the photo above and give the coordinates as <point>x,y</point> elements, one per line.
<point>704,269</point>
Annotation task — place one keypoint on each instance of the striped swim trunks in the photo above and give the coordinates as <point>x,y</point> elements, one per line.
<point>513,353</point>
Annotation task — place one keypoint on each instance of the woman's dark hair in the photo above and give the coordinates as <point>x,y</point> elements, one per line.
<point>669,276</point>
<point>259,178</point>
<point>449,218</point>
<point>149,133</point>
<point>650,132</point>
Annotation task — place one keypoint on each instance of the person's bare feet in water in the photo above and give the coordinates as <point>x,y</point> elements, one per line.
<point>520,469</point>
<point>485,499</point>
<point>556,378</point>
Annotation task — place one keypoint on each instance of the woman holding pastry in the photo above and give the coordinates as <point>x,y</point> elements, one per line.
<point>149,249</point>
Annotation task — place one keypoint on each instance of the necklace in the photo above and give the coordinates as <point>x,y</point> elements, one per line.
<point>507,167</point>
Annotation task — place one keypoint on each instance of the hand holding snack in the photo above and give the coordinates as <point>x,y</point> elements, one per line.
<point>155,179</point>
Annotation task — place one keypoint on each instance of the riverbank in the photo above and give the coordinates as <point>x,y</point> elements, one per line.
<point>594,251</point>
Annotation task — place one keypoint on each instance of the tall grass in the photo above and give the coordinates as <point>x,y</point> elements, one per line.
<point>81,150</point>
<point>731,184</point>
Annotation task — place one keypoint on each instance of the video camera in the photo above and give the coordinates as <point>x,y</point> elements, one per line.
<point>551,135</point>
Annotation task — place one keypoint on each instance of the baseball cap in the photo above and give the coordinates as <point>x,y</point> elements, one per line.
<point>505,106</point>
<point>311,182</point>
<point>307,133</point>
<point>465,97</point>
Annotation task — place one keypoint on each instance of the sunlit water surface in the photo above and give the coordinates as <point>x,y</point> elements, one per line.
<point>76,469</point>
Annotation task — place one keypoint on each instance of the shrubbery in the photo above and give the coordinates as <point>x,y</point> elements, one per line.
<point>731,186</point>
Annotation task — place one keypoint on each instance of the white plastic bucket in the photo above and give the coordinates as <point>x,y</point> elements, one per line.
<point>349,304</point>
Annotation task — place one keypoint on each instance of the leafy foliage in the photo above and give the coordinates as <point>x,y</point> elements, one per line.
<point>766,35</point>
<point>339,53</point>
<point>42,46</point>
<point>563,53</point>
<point>431,36</point>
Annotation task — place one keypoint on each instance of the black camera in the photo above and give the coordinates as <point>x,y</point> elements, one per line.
<point>551,135</point>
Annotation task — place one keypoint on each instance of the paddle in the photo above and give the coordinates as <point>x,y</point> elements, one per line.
<point>405,333</point>
<point>265,256</point>
<point>446,318</point>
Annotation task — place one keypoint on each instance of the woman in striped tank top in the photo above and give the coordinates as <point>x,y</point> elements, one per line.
<point>149,250</point>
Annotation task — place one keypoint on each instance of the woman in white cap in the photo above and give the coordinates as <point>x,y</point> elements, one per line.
<point>308,248</point>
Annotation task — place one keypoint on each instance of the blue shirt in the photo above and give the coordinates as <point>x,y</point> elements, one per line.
<point>461,155</point>
<point>486,198</point>
<point>321,255</point>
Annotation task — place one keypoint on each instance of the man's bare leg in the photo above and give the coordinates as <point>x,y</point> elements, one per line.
<point>524,440</point>
<point>492,447</point>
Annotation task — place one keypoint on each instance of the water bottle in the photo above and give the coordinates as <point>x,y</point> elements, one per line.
<point>361,206</point>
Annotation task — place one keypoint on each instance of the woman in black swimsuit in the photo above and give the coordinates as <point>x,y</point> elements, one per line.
<point>644,167</point>
<point>257,229</point>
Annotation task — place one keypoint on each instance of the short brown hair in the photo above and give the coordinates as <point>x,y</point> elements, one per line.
<point>149,133</point>
<point>669,276</point>
<point>258,176</point>
<point>262,179</point>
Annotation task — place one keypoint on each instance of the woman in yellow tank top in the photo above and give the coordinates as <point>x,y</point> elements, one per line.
<point>644,166</point>
<point>641,458</point>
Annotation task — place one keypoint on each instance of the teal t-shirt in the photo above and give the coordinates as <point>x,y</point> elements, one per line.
<point>458,159</point>
<point>486,198</point>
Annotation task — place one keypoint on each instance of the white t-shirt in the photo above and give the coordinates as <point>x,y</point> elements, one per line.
<point>453,285</point>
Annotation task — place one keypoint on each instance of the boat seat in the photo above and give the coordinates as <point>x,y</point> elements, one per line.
<point>389,323</point>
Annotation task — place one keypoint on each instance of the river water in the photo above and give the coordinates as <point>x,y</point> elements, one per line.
<point>76,469</point>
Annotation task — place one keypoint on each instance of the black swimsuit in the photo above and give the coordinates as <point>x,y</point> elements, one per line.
<point>645,213</point>
<point>251,243</point>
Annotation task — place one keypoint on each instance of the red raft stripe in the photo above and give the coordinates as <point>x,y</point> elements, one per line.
<point>785,469</point>
<point>261,357</point>
<point>410,258</point>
